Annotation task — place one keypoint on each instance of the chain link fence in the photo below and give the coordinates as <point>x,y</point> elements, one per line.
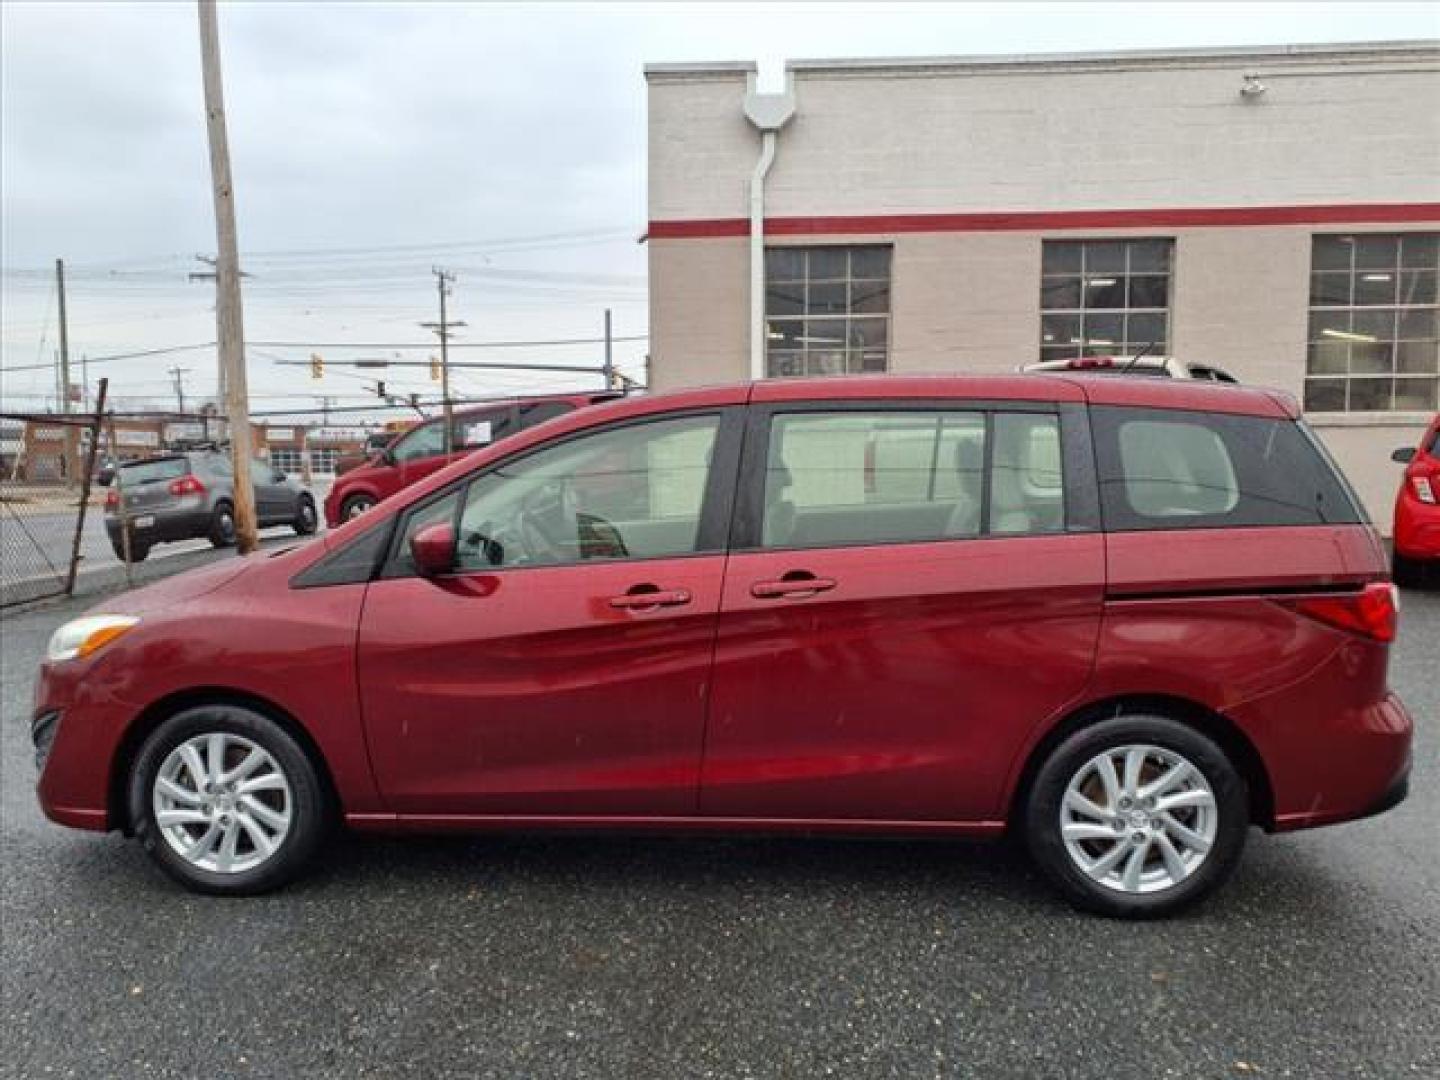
<point>47,464</point>
<point>67,507</point>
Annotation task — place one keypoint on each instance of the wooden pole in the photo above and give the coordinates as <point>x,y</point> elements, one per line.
<point>85,488</point>
<point>229,324</point>
<point>119,483</point>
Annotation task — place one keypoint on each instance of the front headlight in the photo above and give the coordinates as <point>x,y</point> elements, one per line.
<point>81,637</point>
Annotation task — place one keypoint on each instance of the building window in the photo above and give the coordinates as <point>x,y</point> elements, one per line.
<point>1104,298</point>
<point>285,459</point>
<point>322,460</point>
<point>1374,345</point>
<point>827,310</point>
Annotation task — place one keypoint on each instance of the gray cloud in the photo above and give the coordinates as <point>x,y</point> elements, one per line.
<point>359,125</point>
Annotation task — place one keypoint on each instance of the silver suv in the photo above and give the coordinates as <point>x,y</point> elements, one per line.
<point>189,494</point>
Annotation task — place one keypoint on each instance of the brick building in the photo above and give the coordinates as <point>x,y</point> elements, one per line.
<point>1273,211</point>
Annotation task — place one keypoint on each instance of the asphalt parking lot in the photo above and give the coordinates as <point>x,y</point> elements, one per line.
<point>665,958</point>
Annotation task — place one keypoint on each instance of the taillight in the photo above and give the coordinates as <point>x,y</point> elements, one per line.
<point>1424,489</point>
<point>1373,612</point>
<point>187,485</point>
<point>112,500</point>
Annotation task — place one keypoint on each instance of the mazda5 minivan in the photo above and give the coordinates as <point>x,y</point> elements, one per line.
<point>1122,619</point>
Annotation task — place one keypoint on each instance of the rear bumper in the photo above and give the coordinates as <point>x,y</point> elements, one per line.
<point>168,525</point>
<point>1418,539</point>
<point>1368,771</point>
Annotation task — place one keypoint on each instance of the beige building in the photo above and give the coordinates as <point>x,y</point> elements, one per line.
<point>1271,211</point>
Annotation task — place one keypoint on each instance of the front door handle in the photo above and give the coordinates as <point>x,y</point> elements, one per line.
<point>644,597</point>
<point>791,585</point>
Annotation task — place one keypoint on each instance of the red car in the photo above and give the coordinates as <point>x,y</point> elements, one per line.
<point>420,451</point>
<point>1125,618</point>
<point>1417,508</point>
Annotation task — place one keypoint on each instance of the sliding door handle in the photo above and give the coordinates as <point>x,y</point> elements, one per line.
<point>791,586</point>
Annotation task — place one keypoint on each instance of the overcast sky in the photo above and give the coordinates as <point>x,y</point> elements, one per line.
<point>371,142</point>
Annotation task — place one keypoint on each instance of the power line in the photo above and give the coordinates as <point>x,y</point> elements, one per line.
<point>454,344</point>
<point>509,344</point>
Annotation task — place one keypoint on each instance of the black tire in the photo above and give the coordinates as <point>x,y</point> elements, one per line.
<point>308,806</point>
<point>305,522</point>
<point>1042,816</point>
<point>356,505</point>
<point>138,551</point>
<point>222,525</point>
<point>1408,573</point>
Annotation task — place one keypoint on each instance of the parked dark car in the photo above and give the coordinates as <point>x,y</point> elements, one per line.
<point>181,496</point>
<point>1124,619</point>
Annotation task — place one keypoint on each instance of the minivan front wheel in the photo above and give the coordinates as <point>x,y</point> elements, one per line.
<point>1137,816</point>
<point>226,801</point>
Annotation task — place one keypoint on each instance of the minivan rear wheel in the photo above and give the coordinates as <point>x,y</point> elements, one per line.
<point>1137,816</point>
<point>226,801</point>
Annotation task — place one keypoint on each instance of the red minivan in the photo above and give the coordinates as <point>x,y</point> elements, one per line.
<point>1124,619</point>
<point>1417,509</point>
<point>420,451</point>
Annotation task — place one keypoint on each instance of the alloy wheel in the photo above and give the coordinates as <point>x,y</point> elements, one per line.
<point>1138,818</point>
<point>222,803</point>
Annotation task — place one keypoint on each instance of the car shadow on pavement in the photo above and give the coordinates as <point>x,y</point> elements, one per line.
<point>1277,881</point>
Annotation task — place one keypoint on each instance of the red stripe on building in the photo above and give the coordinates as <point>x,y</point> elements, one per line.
<point>1037,220</point>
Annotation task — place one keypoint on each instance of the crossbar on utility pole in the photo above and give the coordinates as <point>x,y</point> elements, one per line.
<point>230,333</point>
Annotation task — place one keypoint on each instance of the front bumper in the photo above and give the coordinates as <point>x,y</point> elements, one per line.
<point>76,739</point>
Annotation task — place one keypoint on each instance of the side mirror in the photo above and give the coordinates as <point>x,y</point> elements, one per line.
<point>433,550</point>
<point>385,457</point>
<point>1404,455</point>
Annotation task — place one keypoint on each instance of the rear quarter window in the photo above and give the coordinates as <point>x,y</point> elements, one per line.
<point>147,472</point>
<point>1168,469</point>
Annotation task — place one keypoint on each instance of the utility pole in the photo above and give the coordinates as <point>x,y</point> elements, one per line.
<point>230,332</point>
<point>64,338</point>
<point>71,454</point>
<point>443,279</point>
<point>609,363</point>
<point>177,374</point>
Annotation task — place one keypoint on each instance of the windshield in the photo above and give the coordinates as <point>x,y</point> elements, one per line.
<point>156,469</point>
